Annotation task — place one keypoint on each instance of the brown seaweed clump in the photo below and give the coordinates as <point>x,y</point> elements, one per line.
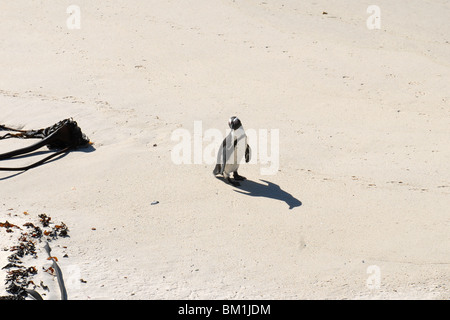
<point>19,277</point>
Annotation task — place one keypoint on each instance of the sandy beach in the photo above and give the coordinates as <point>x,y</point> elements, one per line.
<point>355,204</point>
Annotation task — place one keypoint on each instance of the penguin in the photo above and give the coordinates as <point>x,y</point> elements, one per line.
<point>234,147</point>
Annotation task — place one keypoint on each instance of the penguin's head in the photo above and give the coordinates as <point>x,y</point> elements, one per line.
<point>234,123</point>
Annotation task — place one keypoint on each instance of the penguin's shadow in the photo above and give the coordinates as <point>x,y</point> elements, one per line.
<point>268,190</point>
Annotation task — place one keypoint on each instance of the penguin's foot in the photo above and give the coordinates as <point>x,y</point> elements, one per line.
<point>234,183</point>
<point>237,177</point>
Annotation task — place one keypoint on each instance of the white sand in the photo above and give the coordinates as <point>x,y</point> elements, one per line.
<point>363,117</point>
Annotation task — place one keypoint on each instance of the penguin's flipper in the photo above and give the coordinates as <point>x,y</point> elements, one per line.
<point>218,169</point>
<point>224,153</point>
<point>221,158</point>
<point>248,153</point>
